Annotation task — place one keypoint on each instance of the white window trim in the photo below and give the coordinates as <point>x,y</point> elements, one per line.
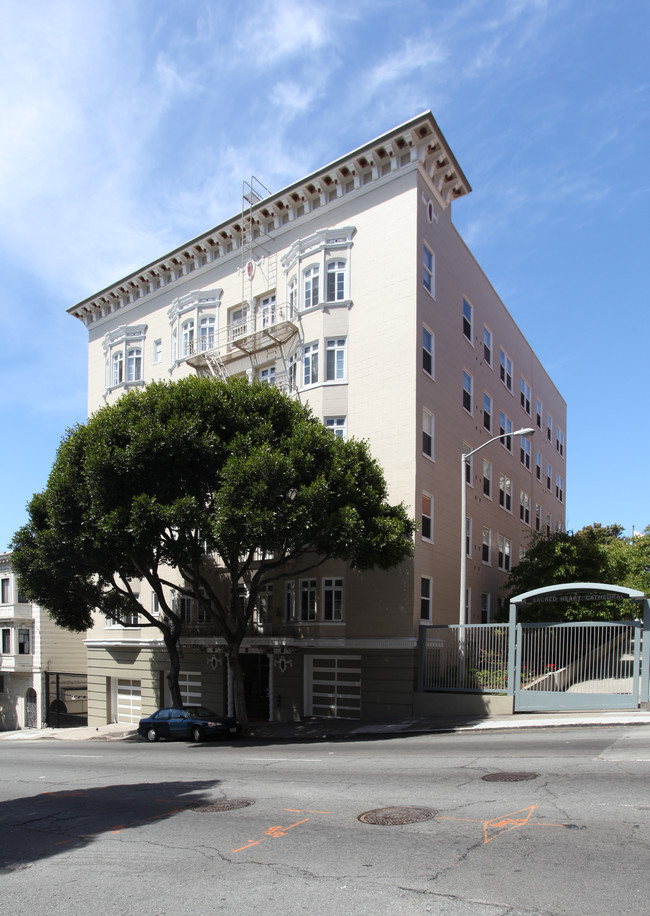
<point>121,342</point>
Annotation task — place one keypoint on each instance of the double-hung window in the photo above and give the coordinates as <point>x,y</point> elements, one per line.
<point>524,507</point>
<point>487,346</point>
<point>426,526</point>
<point>487,412</point>
<point>505,550</point>
<point>525,395</point>
<point>505,369</point>
<point>310,364</point>
<point>5,594</point>
<point>336,425</point>
<point>187,337</point>
<point>308,600</point>
<point>505,428</point>
<point>332,600</point>
<point>487,479</point>
<point>427,351</point>
<point>428,270</point>
<point>117,375</point>
<point>427,433</point>
<point>311,291</point>
<point>524,452</point>
<point>505,492</point>
<point>426,594</point>
<point>335,359</point>
<point>467,391</point>
<point>267,311</point>
<point>467,320</point>
<point>267,375</point>
<point>290,601</point>
<point>336,281</point>
<point>559,487</point>
<point>487,546</point>
<point>134,364</point>
<point>24,642</point>
<point>206,333</point>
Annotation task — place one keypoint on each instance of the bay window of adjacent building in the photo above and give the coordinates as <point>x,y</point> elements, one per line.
<point>311,287</point>
<point>332,600</point>
<point>426,595</point>
<point>336,281</point>
<point>335,349</point>
<point>123,350</point>
<point>24,641</point>
<point>6,641</point>
<point>310,364</point>
<point>192,322</point>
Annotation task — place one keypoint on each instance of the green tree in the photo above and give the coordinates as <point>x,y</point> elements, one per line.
<point>595,553</point>
<point>197,487</point>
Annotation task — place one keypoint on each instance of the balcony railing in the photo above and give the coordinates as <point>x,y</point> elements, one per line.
<point>256,331</point>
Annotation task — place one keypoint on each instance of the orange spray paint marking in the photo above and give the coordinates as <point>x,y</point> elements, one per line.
<point>497,826</point>
<point>272,832</point>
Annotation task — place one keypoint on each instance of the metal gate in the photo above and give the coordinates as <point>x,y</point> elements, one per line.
<point>577,666</point>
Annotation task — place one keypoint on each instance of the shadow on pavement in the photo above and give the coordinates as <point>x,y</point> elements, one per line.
<point>44,825</point>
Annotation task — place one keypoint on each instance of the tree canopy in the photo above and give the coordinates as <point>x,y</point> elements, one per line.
<point>198,487</point>
<point>595,553</point>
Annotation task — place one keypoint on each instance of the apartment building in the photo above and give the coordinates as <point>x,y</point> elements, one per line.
<point>352,290</point>
<point>42,666</point>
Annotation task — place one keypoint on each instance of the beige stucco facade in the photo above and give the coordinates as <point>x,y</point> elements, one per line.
<point>31,646</point>
<point>400,344</point>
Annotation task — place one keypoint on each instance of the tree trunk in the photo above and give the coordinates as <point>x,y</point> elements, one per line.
<point>238,687</point>
<point>171,643</point>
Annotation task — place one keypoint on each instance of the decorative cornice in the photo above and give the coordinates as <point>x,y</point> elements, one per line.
<point>416,143</point>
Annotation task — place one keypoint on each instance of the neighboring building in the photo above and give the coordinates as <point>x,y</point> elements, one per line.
<point>352,290</point>
<point>36,658</point>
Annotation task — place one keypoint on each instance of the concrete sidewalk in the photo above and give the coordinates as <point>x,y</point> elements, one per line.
<point>347,729</point>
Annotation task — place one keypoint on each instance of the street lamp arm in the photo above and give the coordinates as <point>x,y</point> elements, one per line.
<point>526,432</point>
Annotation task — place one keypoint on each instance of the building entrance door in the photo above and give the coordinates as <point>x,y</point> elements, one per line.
<point>31,709</point>
<point>255,667</point>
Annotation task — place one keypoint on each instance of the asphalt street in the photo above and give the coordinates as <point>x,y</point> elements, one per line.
<point>562,826</point>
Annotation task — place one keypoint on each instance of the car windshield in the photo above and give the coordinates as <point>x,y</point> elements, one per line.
<point>200,712</point>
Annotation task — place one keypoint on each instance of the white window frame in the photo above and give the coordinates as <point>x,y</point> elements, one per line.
<point>188,332</point>
<point>524,395</point>
<point>308,600</point>
<point>124,356</point>
<point>290,601</point>
<point>505,369</point>
<point>333,594</point>
<point>429,270</point>
<point>426,599</point>
<point>486,546</point>
<point>468,391</point>
<point>157,351</point>
<point>335,359</point>
<point>487,478</point>
<point>524,507</point>
<point>311,287</point>
<point>487,346</point>
<point>335,281</point>
<point>524,452</point>
<point>468,320</point>
<point>505,552</point>
<point>426,518</point>
<point>428,434</point>
<point>428,351</point>
<point>337,426</point>
<point>487,411</point>
<point>505,430</point>
<point>505,492</point>
<point>310,364</point>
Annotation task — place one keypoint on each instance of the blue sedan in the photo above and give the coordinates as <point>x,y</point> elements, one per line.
<point>194,723</point>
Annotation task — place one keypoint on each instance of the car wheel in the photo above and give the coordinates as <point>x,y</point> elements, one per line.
<point>152,734</point>
<point>197,733</point>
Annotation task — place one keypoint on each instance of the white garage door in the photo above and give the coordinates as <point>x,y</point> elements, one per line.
<point>129,701</point>
<point>333,686</point>
<point>189,683</point>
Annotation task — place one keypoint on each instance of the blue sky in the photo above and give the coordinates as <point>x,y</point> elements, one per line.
<point>129,125</point>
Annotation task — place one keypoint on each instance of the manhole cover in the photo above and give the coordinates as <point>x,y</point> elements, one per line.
<point>390,817</point>
<point>509,777</point>
<point>223,804</point>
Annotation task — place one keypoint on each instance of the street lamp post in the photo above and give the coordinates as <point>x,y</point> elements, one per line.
<point>527,432</point>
